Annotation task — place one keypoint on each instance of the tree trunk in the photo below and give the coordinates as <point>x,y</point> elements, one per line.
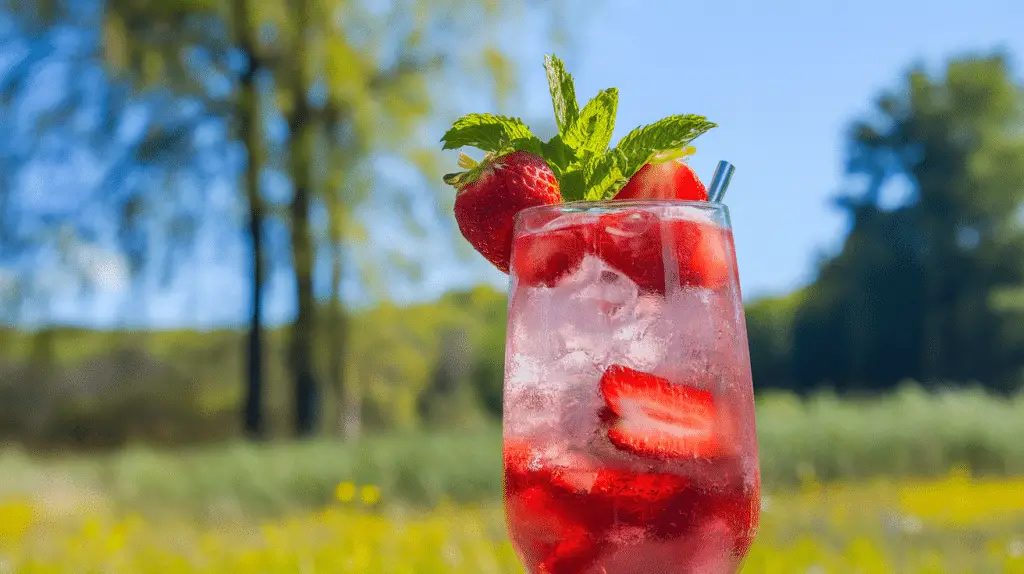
<point>248,118</point>
<point>304,328</point>
<point>931,330</point>
<point>301,152</point>
<point>346,428</point>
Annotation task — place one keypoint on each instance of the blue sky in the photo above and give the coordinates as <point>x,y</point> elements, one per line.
<point>783,79</point>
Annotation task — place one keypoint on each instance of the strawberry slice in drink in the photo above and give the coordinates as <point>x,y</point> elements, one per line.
<point>542,526</point>
<point>542,502</point>
<point>657,418</point>
<point>632,241</point>
<point>638,498</point>
<point>546,257</point>
<point>703,252</point>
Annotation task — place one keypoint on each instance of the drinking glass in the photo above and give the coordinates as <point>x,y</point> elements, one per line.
<point>629,436</point>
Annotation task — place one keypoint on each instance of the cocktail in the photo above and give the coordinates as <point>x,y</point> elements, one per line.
<point>629,439</point>
<point>629,425</point>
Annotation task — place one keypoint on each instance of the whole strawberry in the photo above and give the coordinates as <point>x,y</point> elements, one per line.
<point>492,193</point>
<point>576,164</point>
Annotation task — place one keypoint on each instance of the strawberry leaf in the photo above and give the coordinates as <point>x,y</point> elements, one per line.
<point>488,132</point>
<point>563,93</point>
<point>592,131</point>
<point>639,145</point>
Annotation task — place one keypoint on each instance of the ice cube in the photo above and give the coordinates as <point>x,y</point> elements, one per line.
<point>641,336</point>
<point>523,371</point>
<point>582,361</point>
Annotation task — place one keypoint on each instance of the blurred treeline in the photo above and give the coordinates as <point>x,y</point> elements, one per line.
<point>150,147</point>
<point>929,282</point>
<point>437,364</point>
<point>137,133</point>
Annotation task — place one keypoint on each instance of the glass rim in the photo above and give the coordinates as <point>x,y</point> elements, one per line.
<point>610,205</point>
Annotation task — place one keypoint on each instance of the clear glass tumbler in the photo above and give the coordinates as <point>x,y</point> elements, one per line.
<point>629,436</point>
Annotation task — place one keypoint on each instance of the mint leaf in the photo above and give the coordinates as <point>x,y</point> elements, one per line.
<point>592,130</point>
<point>563,93</point>
<point>487,132</point>
<point>572,183</point>
<point>672,132</point>
<point>558,155</point>
<point>604,175</point>
<point>531,144</point>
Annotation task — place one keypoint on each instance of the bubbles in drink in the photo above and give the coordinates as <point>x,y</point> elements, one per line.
<point>675,485</point>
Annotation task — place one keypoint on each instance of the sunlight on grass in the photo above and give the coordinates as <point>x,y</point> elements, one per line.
<point>956,524</point>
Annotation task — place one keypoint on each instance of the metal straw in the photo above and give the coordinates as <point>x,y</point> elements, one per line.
<point>720,182</point>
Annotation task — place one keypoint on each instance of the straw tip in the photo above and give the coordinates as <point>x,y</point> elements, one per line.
<point>720,181</point>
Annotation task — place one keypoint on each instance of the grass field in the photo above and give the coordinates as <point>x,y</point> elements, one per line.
<point>850,486</point>
<point>907,435</point>
<point>954,524</point>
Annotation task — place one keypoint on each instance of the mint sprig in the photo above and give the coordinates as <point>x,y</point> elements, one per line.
<point>489,133</point>
<point>592,130</point>
<point>579,155</point>
<point>563,93</point>
<point>673,132</point>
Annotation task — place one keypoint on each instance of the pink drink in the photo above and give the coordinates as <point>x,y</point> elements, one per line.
<point>629,420</point>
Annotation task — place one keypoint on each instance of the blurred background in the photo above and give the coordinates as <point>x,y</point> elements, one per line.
<point>240,332</point>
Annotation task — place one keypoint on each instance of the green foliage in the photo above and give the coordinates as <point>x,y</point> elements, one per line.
<point>101,388</point>
<point>592,131</point>
<point>924,289</point>
<point>770,324</point>
<point>578,154</point>
<point>487,132</point>
<point>666,134</point>
<point>374,70</point>
<point>909,434</point>
<point>563,93</point>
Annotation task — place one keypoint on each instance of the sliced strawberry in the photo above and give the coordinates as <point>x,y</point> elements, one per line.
<point>673,179</point>
<point>630,241</point>
<point>548,533</point>
<point>518,457</point>
<point>657,418</point>
<point>638,498</point>
<point>535,522</point>
<point>639,487</point>
<point>573,472</point>
<point>574,553</point>
<point>703,251</point>
<point>545,258</point>
<point>567,473</point>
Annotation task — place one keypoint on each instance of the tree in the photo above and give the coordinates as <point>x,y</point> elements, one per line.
<point>770,324</point>
<point>98,152</point>
<point>914,291</point>
<point>346,77</point>
<point>187,46</point>
<point>248,114</point>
